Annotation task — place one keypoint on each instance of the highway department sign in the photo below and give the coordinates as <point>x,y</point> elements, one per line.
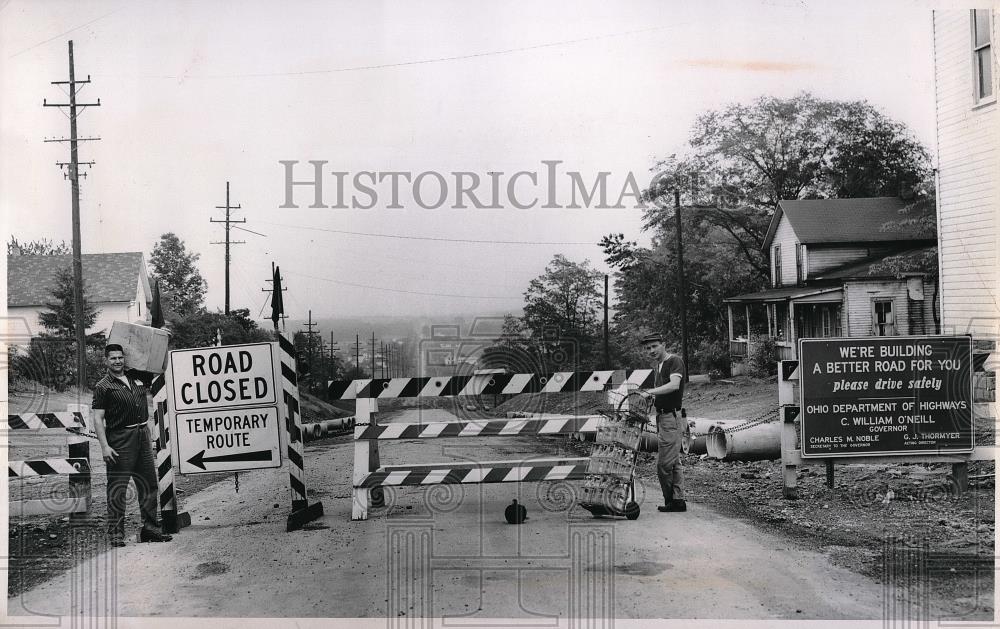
<point>886,395</point>
<point>225,408</point>
<point>228,440</point>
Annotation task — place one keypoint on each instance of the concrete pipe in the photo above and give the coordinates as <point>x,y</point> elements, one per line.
<point>697,442</point>
<point>761,442</point>
<point>317,430</point>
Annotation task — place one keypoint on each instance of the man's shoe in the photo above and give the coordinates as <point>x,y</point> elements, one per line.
<point>663,508</point>
<point>675,506</point>
<point>116,542</point>
<point>149,535</point>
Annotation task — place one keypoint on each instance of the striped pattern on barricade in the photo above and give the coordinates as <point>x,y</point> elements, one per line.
<point>166,488</point>
<point>483,428</point>
<point>484,384</point>
<point>40,421</point>
<point>47,467</point>
<point>477,472</point>
<point>293,423</point>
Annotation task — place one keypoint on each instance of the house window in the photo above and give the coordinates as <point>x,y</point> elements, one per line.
<point>777,265</point>
<point>884,321</point>
<point>982,54</point>
<point>799,270</point>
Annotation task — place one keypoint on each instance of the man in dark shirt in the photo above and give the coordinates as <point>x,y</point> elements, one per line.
<point>668,389</point>
<point>120,420</point>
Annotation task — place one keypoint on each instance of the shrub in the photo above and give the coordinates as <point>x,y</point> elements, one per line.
<point>712,357</point>
<point>760,357</point>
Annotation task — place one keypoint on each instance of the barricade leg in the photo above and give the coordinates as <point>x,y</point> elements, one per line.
<point>302,511</point>
<point>172,519</point>
<point>79,484</point>
<point>366,460</point>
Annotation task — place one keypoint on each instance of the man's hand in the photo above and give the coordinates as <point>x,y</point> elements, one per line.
<point>110,456</point>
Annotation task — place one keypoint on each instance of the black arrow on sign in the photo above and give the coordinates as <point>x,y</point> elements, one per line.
<point>200,459</point>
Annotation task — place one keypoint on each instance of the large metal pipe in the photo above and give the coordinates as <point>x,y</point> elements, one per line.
<point>697,431</point>
<point>760,442</point>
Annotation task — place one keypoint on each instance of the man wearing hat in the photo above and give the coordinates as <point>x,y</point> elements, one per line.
<point>668,391</point>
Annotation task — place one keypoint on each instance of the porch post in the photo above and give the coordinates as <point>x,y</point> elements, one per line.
<point>791,329</point>
<point>770,320</point>
<point>748,326</point>
<point>729,309</point>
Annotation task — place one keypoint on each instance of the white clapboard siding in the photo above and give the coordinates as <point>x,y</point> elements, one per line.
<point>968,191</point>
<point>785,237</point>
<point>822,258</point>
<point>859,296</point>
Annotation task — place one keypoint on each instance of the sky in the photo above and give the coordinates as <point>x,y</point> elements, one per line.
<point>197,94</point>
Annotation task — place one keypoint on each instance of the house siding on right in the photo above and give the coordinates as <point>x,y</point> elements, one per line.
<point>968,187</point>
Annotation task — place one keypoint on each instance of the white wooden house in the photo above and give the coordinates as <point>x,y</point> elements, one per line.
<point>823,254</point>
<point>115,283</point>
<point>967,82</point>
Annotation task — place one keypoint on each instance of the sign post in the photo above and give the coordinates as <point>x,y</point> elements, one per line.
<point>886,395</point>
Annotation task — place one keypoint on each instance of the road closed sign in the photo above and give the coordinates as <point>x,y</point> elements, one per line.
<point>228,440</point>
<point>222,377</point>
<point>225,408</point>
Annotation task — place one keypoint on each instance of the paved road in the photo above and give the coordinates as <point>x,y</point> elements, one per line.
<point>451,554</point>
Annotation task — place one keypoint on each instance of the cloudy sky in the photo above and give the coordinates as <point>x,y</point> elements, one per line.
<point>195,94</point>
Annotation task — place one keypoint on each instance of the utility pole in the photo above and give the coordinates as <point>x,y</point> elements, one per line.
<point>333,346</point>
<point>309,336</point>
<point>227,207</point>
<point>373,353</point>
<point>357,353</point>
<point>73,174</point>
<point>680,282</point>
<point>283,316</point>
<point>607,354</point>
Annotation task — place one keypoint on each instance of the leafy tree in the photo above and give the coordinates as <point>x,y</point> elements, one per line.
<point>183,286</point>
<point>43,247</point>
<point>561,314</point>
<point>200,329</point>
<point>739,163</point>
<point>744,159</point>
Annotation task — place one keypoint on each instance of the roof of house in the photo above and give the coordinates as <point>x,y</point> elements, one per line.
<point>107,277</point>
<point>864,268</point>
<point>845,220</point>
<point>782,294</point>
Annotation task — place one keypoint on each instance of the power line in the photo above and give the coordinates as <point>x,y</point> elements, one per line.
<point>402,64</point>
<point>398,290</point>
<point>431,238</point>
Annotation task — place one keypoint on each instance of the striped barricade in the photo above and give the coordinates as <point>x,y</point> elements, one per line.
<point>70,429</point>
<point>173,518</point>
<point>369,476</point>
<point>302,511</point>
<point>78,499</point>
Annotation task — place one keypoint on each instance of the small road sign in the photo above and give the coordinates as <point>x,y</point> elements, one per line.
<point>228,440</point>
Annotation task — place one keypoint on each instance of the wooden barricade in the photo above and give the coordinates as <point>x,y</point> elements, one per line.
<point>369,476</point>
<point>52,430</point>
<point>791,452</point>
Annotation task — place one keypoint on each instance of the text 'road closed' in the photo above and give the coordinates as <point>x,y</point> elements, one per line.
<point>222,377</point>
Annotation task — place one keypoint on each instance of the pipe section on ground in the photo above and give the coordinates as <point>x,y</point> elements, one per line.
<point>699,428</point>
<point>758,443</point>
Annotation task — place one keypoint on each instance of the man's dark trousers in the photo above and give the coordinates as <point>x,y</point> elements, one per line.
<point>670,426</point>
<point>135,460</point>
